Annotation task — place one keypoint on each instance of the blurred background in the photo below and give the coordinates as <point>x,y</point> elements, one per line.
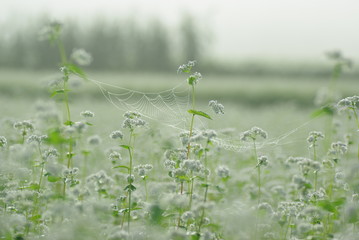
<point>250,53</point>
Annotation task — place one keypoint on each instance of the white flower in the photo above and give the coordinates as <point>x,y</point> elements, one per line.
<point>81,57</point>
<point>216,107</point>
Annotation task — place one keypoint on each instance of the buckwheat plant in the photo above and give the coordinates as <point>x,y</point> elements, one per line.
<point>252,135</point>
<point>24,127</point>
<point>142,171</point>
<point>312,140</point>
<point>350,104</point>
<point>192,81</point>
<point>52,33</point>
<point>133,120</point>
<point>38,140</point>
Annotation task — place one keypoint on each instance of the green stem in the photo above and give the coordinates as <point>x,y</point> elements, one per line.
<point>316,172</point>
<point>287,228</point>
<point>42,167</point>
<point>130,172</point>
<point>258,171</point>
<point>191,194</point>
<point>62,51</point>
<point>203,210</point>
<point>146,189</point>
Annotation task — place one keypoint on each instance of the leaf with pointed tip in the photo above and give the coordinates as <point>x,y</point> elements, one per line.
<point>199,113</point>
<point>122,166</point>
<point>76,70</point>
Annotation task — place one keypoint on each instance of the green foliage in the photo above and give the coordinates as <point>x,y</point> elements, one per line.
<point>199,113</point>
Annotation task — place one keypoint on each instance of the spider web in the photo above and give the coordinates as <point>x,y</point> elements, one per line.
<point>169,107</point>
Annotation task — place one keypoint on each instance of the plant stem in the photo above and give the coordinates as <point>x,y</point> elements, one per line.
<point>203,210</point>
<point>316,172</point>
<point>192,122</point>
<point>42,167</point>
<point>130,172</point>
<point>258,171</point>
<point>191,193</point>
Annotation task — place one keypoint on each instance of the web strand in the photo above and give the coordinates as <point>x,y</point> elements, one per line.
<point>169,108</point>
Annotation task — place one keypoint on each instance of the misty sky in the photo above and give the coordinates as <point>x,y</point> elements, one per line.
<point>269,29</point>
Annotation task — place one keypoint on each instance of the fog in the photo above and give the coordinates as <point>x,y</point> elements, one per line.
<point>256,29</point>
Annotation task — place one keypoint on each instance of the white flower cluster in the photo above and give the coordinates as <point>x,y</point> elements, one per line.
<point>348,103</point>
<point>94,140</point>
<point>222,172</point>
<point>305,164</point>
<point>262,161</point>
<point>36,138</point>
<point>3,141</point>
<point>194,78</point>
<point>133,120</point>
<point>87,114</point>
<point>187,67</point>
<point>50,153</point>
<point>114,157</point>
<point>81,57</point>
<point>253,133</point>
<point>338,148</point>
<point>216,107</point>
<point>142,169</point>
<point>25,126</point>
<point>100,180</point>
<point>314,136</point>
<point>116,134</point>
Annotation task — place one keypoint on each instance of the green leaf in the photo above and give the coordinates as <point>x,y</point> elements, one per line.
<point>88,123</point>
<point>130,188</point>
<point>331,206</point>
<point>53,178</point>
<point>326,110</point>
<point>199,113</point>
<point>68,123</point>
<point>59,91</point>
<point>76,70</point>
<point>122,166</point>
<point>125,146</point>
<point>54,137</point>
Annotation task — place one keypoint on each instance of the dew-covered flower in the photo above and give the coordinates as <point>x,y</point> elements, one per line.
<point>81,57</point>
<point>187,216</point>
<point>209,134</point>
<point>262,161</point>
<point>222,172</point>
<point>133,120</point>
<point>194,78</point>
<point>80,127</point>
<point>192,165</point>
<point>253,133</point>
<point>130,178</point>
<point>142,169</point>
<point>94,140</point>
<point>348,103</point>
<point>115,157</point>
<point>314,136</point>
<point>187,67</point>
<point>51,152</point>
<point>338,148</point>
<point>3,141</point>
<point>50,32</point>
<point>24,126</point>
<point>116,134</point>
<point>87,114</point>
<point>216,107</point>
<point>36,138</point>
